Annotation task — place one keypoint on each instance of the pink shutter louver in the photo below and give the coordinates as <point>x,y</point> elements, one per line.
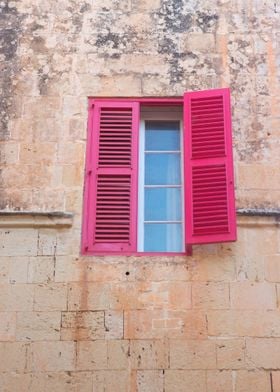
<point>209,190</point>
<point>112,177</point>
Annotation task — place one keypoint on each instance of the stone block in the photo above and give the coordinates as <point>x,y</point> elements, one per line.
<point>168,295</point>
<point>92,355</point>
<point>38,105</point>
<point>231,354</point>
<point>219,381</point>
<point>155,324</point>
<point>210,295</point>
<point>50,297</point>
<point>37,152</point>
<point>185,380</point>
<point>41,269</point>
<point>18,242</point>
<point>168,271</point>
<point>148,354</point>
<point>13,356</point>
<point>9,153</point>
<point>244,323</point>
<point>118,354</point>
<point>192,354</point>
<point>250,296</point>
<point>4,269</point>
<point>52,356</point>
<point>18,268</point>
<point>89,296</point>
<point>42,326</point>
<point>67,269</point>
<point>263,353</point>
<point>7,326</point>
<point>16,297</point>
<point>47,242</point>
<point>146,5</point>
<point>272,268</point>
<point>212,268</point>
<point>116,380</point>
<point>61,382</point>
<point>71,153</point>
<point>15,382</point>
<point>254,380</point>
<point>204,43</point>
<point>82,325</point>
<point>150,380</point>
<point>275,381</point>
<point>114,324</point>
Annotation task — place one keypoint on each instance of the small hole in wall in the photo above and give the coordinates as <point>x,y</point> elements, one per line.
<point>268,133</point>
<point>127,273</point>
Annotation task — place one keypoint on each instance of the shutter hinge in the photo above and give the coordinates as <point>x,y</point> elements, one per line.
<point>89,172</point>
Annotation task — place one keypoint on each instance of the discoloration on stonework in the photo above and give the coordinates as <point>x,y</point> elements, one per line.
<point>11,29</point>
<point>134,323</point>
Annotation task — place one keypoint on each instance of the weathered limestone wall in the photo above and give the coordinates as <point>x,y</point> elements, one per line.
<point>205,323</point>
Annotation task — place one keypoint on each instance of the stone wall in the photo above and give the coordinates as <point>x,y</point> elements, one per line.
<point>205,323</point>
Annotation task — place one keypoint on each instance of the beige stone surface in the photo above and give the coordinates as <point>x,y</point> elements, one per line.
<point>119,352</point>
<point>150,380</point>
<point>51,356</point>
<point>256,380</point>
<point>33,326</point>
<point>210,295</point>
<point>219,381</point>
<point>276,381</point>
<point>50,297</point>
<point>92,355</point>
<point>7,326</point>
<point>148,354</point>
<point>82,325</point>
<point>231,354</point>
<point>209,322</point>
<point>181,380</point>
<point>16,297</point>
<point>244,323</point>
<point>15,356</point>
<point>193,354</point>
<point>263,352</point>
<point>250,296</point>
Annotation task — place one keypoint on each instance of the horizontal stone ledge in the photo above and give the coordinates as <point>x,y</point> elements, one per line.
<point>19,219</point>
<point>269,212</point>
<point>254,217</point>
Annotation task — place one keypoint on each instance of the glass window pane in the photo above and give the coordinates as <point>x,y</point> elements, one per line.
<point>163,204</point>
<point>162,169</point>
<point>162,136</point>
<point>159,237</point>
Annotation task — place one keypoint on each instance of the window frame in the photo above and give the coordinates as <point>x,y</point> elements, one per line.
<point>170,114</point>
<point>87,208</point>
<point>217,228</point>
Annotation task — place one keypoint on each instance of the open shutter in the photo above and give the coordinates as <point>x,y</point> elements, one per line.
<point>209,189</point>
<point>112,177</point>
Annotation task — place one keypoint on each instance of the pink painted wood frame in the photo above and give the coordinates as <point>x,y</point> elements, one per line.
<point>92,171</point>
<point>190,163</point>
<point>87,227</point>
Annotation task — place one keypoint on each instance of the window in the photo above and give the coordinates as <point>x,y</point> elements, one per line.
<point>158,174</point>
<point>160,180</point>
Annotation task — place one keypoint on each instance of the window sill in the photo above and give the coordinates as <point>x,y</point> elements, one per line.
<point>139,254</point>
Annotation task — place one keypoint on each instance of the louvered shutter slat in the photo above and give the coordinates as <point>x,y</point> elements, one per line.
<point>209,193</point>
<point>113,186</point>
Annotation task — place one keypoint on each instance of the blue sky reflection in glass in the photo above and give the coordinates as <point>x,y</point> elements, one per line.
<point>163,187</point>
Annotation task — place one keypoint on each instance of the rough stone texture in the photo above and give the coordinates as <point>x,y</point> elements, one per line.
<point>206,323</point>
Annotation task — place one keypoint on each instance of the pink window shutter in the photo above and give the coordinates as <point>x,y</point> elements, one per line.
<point>111,185</point>
<point>209,190</point>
